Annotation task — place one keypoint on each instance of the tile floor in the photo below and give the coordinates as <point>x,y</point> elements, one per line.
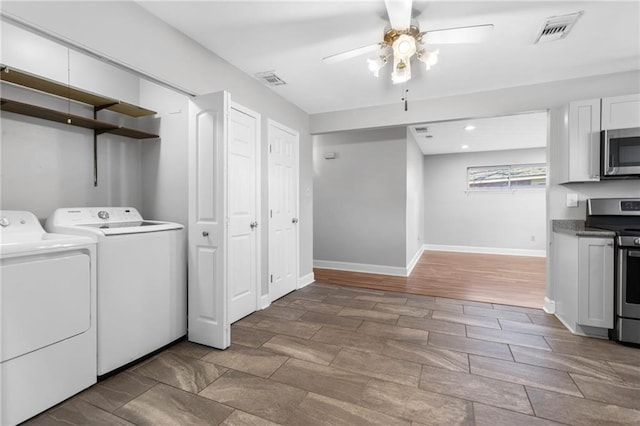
<point>331,355</point>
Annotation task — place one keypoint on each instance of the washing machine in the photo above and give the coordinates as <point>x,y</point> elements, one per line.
<point>47,316</point>
<point>142,280</point>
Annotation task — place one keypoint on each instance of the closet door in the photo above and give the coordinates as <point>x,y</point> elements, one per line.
<point>208,312</point>
<point>243,211</point>
<point>283,210</point>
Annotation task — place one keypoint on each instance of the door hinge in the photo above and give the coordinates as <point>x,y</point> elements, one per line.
<point>269,148</point>
<point>271,279</point>
<point>270,213</point>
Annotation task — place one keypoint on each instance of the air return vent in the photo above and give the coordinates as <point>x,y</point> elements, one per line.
<point>270,78</point>
<point>422,129</point>
<point>557,27</point>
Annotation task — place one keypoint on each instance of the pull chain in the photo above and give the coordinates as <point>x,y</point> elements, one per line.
<point>405,98</point>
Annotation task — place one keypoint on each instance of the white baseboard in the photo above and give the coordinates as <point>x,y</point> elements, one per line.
<point>549,305</point>
<point>306,280</point>
<point>412,264</point>
<point>486,250</point>
<point>361,267</point>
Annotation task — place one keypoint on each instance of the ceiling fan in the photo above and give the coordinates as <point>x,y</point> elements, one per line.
<point>405,40</point>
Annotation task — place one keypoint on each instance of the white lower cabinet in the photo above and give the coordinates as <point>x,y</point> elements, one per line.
<point>584,282</point>
<point>595,282</point>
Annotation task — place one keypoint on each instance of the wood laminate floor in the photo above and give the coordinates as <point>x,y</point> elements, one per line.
<point>511,280</point>
<point>343,356</point>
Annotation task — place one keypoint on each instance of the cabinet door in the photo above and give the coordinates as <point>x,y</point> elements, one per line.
<point>621,112</point>
<point>584,141</point>
<point>595,282</point>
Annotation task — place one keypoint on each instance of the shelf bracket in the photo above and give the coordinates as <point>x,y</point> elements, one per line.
<point>101,107</point>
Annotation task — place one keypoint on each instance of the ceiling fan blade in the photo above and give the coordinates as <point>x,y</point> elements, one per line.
<point>399,12</point>
<point>472,34</point>
<point>338,57</point>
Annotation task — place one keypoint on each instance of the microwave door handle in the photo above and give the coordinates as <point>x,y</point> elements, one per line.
<point>606,161</point>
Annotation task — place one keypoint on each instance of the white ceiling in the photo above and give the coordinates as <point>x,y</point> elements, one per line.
<point>292,37</point>
<point>518,131</point>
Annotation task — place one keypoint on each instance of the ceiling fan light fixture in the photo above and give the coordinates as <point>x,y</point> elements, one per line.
<point>376,64</point>
<point>428,58</point>
<point>404,46</point>
<point>401,71</point>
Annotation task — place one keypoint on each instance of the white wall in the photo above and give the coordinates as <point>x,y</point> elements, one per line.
<point>146,44</point>
<point>504,220</point>
<point>493,103</point>
<point>360,198</point>
<point>415,200</point>
<point>46,165</point>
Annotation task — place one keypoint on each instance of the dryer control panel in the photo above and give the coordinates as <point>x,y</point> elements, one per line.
<point>18,221</point>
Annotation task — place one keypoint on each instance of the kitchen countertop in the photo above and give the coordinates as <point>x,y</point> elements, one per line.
<point>578,228</point>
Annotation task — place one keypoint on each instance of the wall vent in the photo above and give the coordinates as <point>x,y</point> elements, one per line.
<point>422,129</point>
<point>557,27</point>
<point>270,78</point>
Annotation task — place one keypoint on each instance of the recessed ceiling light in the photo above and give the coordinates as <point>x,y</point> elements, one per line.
<point>469,127</point>
<point>465,146</point>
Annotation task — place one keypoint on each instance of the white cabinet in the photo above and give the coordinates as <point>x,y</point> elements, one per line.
<point>621,112</point>
<point>595,282</point>
<point>583,279</point>
<point>579,139</point>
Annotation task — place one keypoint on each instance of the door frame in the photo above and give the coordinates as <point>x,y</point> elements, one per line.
<point>258,200</point>
<point>270,125</point>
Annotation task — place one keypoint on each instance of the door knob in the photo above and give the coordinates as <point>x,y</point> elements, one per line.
<point>253,225</point>
<point>205,234</point>
<point>294,220</point>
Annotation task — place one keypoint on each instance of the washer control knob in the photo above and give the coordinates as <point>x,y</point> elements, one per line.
<point>102,214</point>
<point>4,221</point>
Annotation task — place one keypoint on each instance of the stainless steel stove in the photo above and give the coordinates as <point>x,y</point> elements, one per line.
<point>622,215</point>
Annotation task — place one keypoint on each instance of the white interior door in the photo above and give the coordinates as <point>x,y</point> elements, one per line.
<point>208,321</point>
<point>243,211</point>
<point>283,210</point>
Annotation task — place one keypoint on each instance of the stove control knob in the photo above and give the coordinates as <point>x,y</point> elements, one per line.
<point>636,241</point>
<point>4,222</point>
<point>103,214</point>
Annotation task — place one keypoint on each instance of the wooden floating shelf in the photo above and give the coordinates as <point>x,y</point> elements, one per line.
<point>22,78</point>
<point>75,120</point>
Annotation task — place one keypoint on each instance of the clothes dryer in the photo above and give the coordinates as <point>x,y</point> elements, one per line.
<point>47,316</point>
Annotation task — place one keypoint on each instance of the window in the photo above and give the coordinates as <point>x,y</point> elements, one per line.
<point>519,176</point>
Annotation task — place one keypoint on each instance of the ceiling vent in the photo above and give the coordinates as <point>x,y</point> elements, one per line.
<point>557,27</point>
<point>270,78</point>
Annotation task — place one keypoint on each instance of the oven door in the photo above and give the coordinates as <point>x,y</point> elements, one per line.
<point>620,152</point>
<point>628,283</point>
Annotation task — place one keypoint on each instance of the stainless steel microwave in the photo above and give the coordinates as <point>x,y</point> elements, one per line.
<point>620,153</point>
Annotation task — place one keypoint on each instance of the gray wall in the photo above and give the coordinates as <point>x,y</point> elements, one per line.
<point>360,197</point>
<point>494,219</point>
<point>537,97</point>
<point>148,45</point>
<point>415,199</point>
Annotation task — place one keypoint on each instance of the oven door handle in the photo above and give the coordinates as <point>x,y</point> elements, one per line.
<point>634,254</point>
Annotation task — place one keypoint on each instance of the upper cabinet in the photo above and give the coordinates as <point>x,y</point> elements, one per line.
<point>579,133</point>
<point>621,112</point>
<point>580,142</point>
